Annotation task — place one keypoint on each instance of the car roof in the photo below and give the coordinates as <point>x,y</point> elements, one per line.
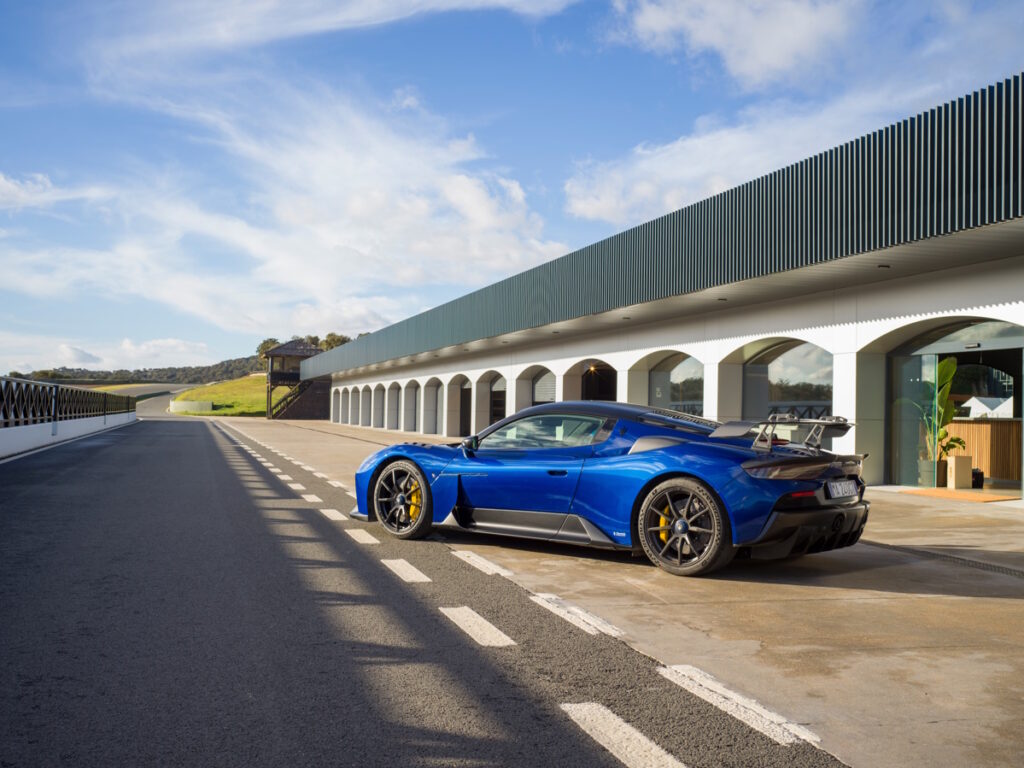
<point>616,410</point>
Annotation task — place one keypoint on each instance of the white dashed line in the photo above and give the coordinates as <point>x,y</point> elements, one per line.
<point>307,467</point>
<point>406,571</point>
<point>321,475</point>
<point>745,709</point>
<point>332,514</point>
<point>477,627</point>
<point>481,563</point>
<point>576,616</point>
<point>297,486</point>
<point>312,498</point>
<point>336,483</point>
<point>276,471</point>
<point>361,536</point>
<point>619,737</point>
<point>350,493</point>
<point>284,477</point>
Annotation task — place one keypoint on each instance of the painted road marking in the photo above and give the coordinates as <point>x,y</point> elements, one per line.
<point>576,616</point>
<point>297,486</point>
<point>350,493</point>
<point>312,498</point>
<point>284,477</point>
<point>745,709</point>
<point>321,475</point>
<point>332,514</point>
<point>275,470</point>
<point>481,563</point>
<point>361,536</point>
<point>477,627</point>
<point>336,483</point>
<point>307,468</point>
<point>619,737</point>
<point>406,571</point>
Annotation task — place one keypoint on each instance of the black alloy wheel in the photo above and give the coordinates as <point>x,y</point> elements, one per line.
<point>401,500</point>
<point>684,529</point>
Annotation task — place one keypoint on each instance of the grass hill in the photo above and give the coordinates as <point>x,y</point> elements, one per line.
<point>244,396</point>
<point>200,374</point>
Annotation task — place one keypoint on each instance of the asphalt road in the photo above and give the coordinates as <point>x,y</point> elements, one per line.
<point>167,599</point>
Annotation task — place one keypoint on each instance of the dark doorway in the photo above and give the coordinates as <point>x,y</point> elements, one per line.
<point>465,410</point>
<point>600,382</point>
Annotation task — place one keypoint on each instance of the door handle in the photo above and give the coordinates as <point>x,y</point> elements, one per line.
<point>558,472</point>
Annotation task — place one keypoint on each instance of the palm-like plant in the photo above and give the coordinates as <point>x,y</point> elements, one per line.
<point>937,410</point>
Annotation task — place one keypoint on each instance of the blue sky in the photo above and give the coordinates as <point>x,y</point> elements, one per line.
<point>180,180</point>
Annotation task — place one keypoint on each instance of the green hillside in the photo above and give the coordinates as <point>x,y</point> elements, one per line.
<point>245,396</point>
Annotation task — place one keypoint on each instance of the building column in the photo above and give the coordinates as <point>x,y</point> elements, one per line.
<point>864,373</point>
<point>568,387</point>
<point>481,408</point>
<point>723,391</point>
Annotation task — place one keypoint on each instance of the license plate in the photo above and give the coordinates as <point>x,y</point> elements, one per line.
<point>841,488</point>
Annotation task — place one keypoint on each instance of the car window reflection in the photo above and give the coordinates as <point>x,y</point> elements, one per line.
<point>546,431</point>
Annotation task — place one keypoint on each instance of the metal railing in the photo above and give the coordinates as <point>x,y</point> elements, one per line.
<point>23,403</point>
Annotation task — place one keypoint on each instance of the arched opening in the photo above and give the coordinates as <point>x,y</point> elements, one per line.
<point>433,407</point>
<point>788,376</point>
<point>590,379</point>
<point>392,417</point>
<point>336,405</point>
<point>668,379</point>
<point>410,409</point>
<point>459,415</point>
<point>378,406</point>
<point>491,400</point>
<point>534,386</point>
<point>366,406</point>
<point>355,412</point>
<point>345,406</point>
<point>954,403</point>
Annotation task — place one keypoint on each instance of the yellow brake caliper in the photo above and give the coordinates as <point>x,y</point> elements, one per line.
<point>662,522</point>
<point>415,499</point>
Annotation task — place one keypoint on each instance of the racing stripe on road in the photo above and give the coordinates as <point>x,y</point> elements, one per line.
<point>624,741</point>
<point>774,726</point>
<point>477,627</point>
<point>481,563</point>
<point>406,571</point>
<point>576,616</point>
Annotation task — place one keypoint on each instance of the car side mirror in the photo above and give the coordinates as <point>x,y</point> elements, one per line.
<point>470,444</point>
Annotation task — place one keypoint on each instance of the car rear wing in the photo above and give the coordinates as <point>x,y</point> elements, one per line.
<point>829,426</point>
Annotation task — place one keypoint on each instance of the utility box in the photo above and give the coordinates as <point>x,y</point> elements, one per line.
<point>959,472</point>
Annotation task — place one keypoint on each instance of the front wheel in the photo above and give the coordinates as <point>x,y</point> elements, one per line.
<point>684,529</point>
<point>401,500</point>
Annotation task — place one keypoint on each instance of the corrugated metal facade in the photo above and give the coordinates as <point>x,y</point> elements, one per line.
<point>951,168</point>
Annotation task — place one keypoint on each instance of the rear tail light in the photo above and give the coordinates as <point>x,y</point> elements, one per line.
<point>787,471</point>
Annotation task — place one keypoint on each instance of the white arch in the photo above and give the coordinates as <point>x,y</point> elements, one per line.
<point>458,419</point>
<point>433,410</point>
<point>378,407</point>
<point>366,406</point>
<point>336,405</point>
<point>524,385</point>
<point>411,405</point>
<point>392,406</point>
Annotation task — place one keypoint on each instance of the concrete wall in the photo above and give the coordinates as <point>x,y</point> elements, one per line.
<point>14,440</point>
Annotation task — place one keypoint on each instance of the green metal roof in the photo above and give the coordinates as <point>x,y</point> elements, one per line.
<point>955,167</point>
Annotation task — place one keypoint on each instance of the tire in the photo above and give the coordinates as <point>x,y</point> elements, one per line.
<point>684,529</point>
<point>401,500</point>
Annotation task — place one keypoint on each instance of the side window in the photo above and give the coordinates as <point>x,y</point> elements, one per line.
<point>544,431</point>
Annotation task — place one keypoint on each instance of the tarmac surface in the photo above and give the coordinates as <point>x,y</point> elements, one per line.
<point>907,649</point>
<point>169,597</point>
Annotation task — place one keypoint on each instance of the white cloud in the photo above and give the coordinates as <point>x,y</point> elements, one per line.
<point>758,41</point>
<point>352,217</point>
<point>912,58</point>
<point>37,191</point>
<point>26,352</point>
<point>199,25</point>
<point>654,179</point>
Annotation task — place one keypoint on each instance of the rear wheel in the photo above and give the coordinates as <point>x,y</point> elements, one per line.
<point>684,529</point>
<point>401,500</point>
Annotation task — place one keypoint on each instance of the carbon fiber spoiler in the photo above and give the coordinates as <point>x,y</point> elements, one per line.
<point>830,426</point>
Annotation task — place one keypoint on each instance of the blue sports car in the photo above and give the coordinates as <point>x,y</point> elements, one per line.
<point>688,492</point>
